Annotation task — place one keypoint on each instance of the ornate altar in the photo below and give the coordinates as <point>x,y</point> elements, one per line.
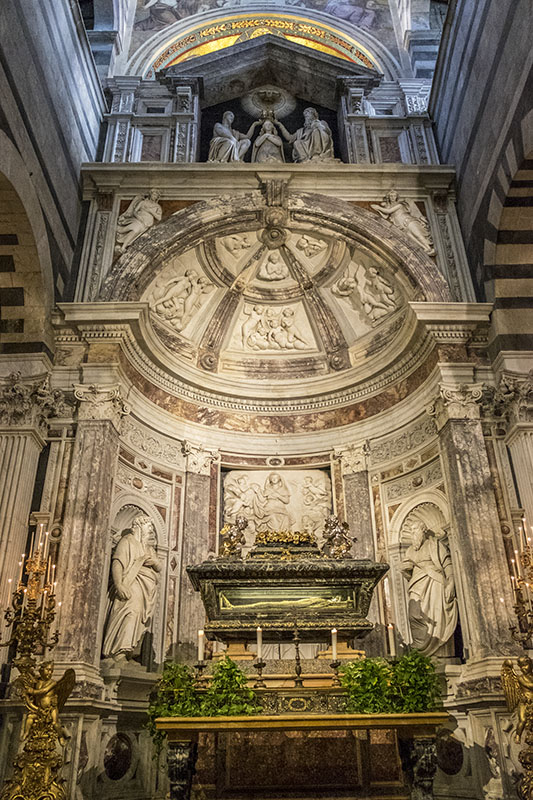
<point>287,582</point>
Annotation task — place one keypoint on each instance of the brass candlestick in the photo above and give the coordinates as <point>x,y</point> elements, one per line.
<point>259,666</point>
<point>37,768</point>
<point>335,667</point>
<point>298,682</point>
<point>201,679</point>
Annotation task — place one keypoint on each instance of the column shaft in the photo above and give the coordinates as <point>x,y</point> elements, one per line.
<point>478,538</point>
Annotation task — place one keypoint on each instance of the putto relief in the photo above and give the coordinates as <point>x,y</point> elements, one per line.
<point>272,329</point>
<point>277,500</point>
<point>178,294</point>
<point>367,292</point>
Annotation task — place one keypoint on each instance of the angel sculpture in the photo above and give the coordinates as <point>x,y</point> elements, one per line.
<point>337,543</point>
<point>44,699</point>
<point>234,538</point>
<point>518,690</point>
<point>405,214</point>
<point>143,212</point>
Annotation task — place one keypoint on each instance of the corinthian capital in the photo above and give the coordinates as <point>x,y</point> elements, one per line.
<point>198,459</point>
<point>513,399</point>
<point>456,401</point>
<point>30,403</point>
<point>353,458</point>
<point>100,402</point>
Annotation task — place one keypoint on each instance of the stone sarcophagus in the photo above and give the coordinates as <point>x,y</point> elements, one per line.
<point>286,582</point>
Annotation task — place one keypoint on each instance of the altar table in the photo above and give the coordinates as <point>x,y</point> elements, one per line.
<point>416,734</point>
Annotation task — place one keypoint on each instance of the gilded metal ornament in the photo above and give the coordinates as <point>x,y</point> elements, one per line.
<point>37,767</point>
<point>518,690</point>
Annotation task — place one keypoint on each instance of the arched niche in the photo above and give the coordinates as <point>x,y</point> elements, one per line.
<point>431,508</point>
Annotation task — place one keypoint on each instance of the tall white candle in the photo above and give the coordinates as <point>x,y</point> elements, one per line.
<point>392,639</point>
<point>259,643</point>
<point>334,644</point>
<point>201,645</point>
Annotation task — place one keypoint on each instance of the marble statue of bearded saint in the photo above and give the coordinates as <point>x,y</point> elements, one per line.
<point>312,142</point>
<point>228,144</point>
<point>135,575</point>
<point>432,602</point>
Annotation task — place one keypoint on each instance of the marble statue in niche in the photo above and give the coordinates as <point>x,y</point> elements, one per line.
<point>273,268</point>
<point>366,289</point>
<point>427,565</point>
<point>177,300</point>
<point>404,214</point>
<point>310,247</point>
<point>271,329</point>
<point>277,500</point>
<point>236,244</point>
<point>135,572</point>
<point>228,144</point>
<point>313,141</point>
<point>268,147</point>
<point>143,212</point>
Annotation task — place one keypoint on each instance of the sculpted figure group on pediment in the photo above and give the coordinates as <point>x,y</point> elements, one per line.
<point>312,142</point>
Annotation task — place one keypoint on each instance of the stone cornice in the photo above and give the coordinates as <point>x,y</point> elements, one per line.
<point>203,181</point>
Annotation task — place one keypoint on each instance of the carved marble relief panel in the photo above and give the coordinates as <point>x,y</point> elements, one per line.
<point>277,500</point>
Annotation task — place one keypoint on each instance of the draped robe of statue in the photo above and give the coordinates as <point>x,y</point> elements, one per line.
<point>432,601</point>
<point>127,619</point>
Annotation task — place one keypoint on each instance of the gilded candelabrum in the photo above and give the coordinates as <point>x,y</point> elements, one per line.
<point>37,767</point>
<point>518,684</point>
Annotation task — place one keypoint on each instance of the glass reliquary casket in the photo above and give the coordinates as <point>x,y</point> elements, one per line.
<point>286,582</point>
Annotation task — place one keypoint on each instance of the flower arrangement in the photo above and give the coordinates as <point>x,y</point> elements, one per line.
<point>285,537</point>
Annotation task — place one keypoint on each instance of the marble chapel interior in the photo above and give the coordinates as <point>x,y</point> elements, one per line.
<point>266,399</point>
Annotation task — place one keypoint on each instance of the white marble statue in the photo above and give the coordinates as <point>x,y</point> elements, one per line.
<point>273,268</point>
<point>431,589</point>
<point>228,144</point>
<point>268,147</point>
<point>135,576</point>
<point>404,214</point>
<point>143,212</point>
<point>178,299</point>
<point>313,141</point>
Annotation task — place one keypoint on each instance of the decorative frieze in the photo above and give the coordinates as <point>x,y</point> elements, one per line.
<point>152,444</point>
<point>388,449</point>
<point>130,479</point>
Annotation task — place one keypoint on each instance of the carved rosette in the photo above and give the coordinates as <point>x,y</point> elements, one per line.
<point>198,459</point>
<point>456,401</point>
<point>101,402</point>
<point>353,458</point>
<point>30,403</point>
